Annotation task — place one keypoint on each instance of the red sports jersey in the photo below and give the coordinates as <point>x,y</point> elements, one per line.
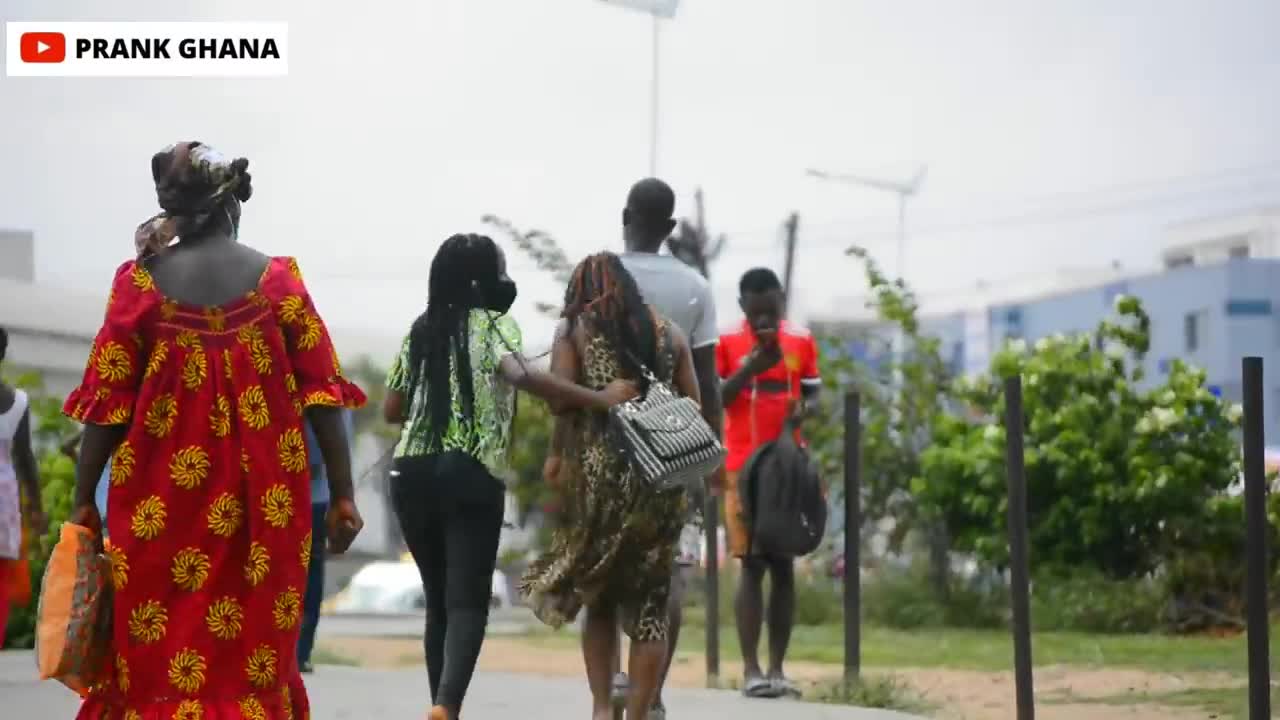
<point>757,415</point>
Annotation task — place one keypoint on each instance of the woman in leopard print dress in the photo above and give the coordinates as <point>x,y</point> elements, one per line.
<point>614,551</point>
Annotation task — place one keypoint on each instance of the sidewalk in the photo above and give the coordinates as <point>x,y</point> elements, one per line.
<point>353,694</point>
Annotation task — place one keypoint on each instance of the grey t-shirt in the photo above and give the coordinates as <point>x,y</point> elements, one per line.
<point>684,297</point>
<point>678,292</point>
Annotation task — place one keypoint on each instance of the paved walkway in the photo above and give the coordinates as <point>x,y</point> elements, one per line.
<point>354,694</point>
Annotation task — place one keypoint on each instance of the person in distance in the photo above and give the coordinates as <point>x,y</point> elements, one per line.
<point>770,372</point>
<point>19,476</point>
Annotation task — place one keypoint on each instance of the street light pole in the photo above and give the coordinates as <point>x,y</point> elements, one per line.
<point>903,190</point>
<point>653,102</point>
<point>902,236</point>
<point>658,10</point>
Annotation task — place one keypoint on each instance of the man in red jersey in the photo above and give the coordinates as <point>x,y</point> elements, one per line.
<point>769,370</point>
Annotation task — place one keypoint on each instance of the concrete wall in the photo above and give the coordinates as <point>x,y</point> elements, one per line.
<point>17,255</point>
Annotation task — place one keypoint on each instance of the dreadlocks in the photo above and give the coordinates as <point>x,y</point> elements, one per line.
<point>604,293</point>
<point>440,337</point>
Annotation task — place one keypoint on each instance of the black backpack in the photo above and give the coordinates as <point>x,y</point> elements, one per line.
<point>784,499</point>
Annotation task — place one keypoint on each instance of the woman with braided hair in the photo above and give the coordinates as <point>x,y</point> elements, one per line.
<point>210,357</point>
<point>615,550</point>
<point>452,392</point>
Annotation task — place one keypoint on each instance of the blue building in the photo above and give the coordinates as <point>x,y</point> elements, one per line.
<point>1209,316</point>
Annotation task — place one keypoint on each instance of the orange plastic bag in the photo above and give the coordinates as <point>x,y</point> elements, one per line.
<point>73,618</point>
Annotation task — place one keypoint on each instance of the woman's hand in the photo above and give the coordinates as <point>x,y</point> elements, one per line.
<point>87,516</point>
<point>344,524</point>
<point>619,391</point>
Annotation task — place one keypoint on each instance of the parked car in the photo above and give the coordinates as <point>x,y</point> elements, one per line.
<point>396,588</point>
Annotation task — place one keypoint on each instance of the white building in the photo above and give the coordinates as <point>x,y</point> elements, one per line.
<point>50,329</point>
<point>1254,234</point>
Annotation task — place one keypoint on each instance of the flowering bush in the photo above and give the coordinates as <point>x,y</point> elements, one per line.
<point>1119,479</point>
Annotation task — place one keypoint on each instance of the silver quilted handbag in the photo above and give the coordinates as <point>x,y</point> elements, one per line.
<point>663,435</point>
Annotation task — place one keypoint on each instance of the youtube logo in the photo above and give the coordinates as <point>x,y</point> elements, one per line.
<point>42,47</point>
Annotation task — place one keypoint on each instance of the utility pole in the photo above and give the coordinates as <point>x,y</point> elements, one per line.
<point>789,260</point>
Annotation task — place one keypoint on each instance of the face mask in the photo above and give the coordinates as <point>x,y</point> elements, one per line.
<point>500,297</point>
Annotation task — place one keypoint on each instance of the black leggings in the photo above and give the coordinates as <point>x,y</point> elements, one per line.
<point>450,509</point>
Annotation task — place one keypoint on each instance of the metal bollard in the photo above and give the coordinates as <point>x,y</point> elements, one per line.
<point>1018,562</point>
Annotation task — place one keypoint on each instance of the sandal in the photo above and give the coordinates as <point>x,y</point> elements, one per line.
<point>658,711</point>
<point>756,686</point>
<point>785,688</point>
<point>618,695</point>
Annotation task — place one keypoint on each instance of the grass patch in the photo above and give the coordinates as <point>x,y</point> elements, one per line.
<point>323,655</point>
<point>1223,703</point>
<point>884,692</point>
<point>990,650</point>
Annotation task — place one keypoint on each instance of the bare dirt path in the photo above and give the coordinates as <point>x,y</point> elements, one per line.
<point>954,694</point>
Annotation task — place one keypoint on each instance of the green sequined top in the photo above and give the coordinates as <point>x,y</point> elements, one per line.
<point>487,437</point>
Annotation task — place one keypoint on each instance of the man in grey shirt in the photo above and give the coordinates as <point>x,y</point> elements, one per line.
<point>680,293</point>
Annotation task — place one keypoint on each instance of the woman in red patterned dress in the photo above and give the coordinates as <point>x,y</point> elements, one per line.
<point>209,355</point>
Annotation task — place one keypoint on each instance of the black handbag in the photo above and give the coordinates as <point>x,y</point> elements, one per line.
<point>665,438</point>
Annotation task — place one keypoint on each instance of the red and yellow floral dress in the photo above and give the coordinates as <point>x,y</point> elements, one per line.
<point>209,511</point>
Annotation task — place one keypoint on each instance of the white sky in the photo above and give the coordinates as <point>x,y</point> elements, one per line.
<point>401,123</point>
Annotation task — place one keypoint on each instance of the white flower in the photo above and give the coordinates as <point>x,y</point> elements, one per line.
<point>1043,344</point>
<point>1017,345</point>
<point>1167,397</point>
<point>1163,418</point>
<point>1144,425</point>
<point>1235,412</point>
<point>992,433</point>
<point>1116,351</point>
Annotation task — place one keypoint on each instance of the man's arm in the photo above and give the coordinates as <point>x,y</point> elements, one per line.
<point>24,463</point>
<point>734,384</point>
<point>704,368</point>
<point>810,382</point>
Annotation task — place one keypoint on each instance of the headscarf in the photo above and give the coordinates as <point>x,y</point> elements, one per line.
<point>192,181</point>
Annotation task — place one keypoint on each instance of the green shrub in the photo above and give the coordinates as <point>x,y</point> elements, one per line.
<point>1088,602</point>
<point>818,600</point>
<point>904,599</point>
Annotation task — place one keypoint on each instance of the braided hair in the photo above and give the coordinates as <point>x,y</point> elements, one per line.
<point>439,340</point>
<point>604,294</point>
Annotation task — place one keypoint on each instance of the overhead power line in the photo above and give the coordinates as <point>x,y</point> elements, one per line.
<point>875,230</point>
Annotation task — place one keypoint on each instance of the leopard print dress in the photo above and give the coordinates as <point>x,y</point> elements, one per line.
<point>617,542</point>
